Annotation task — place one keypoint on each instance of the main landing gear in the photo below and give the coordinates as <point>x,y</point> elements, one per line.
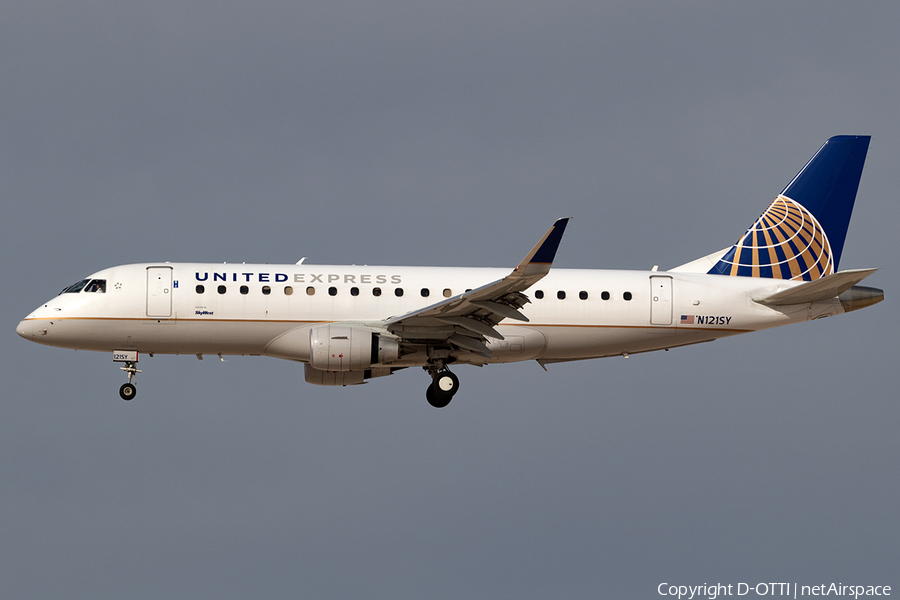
<point>444,386</point>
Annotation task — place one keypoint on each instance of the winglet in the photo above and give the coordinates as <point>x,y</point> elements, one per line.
<point>541,256</point>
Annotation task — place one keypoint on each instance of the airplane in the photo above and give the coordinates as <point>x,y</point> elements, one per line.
<point>350,324</point>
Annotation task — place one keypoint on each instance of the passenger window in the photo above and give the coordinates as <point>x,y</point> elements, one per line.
<point>310,291</point>
<point>583,295</point>
<point>354,291</point>
<point>96,285</point>
<point>376,291</point>
<point>398,292</point>
<point>604,295</point>
<point>245,290</point>
<point>447,293</point>
<point>561,295</point>
<point>222,289</point>
<point>425,292</point>
<point>266,290</point>
<point>627,295</point>
<point>288,290</point>
<point>332,291</point>
<point>200,289</point>
<point>538,294</point>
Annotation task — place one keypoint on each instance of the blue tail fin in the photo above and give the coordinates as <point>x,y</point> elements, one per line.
<point>801,235</point>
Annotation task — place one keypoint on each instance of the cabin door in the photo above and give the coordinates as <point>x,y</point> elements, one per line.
<point>660,300</point>
<point>159,292</point>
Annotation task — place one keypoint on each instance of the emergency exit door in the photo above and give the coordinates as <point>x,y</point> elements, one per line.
<point>159,292</point>
<point>660,300</point>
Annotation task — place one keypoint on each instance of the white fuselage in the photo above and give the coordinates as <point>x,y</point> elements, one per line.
<point>241,309</point>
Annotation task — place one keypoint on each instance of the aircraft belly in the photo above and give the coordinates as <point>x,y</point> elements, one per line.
<point>157,336</point>
<point>519,343</point>
<point>213,337</point>
<point>78,334</point>
<point>572,343</point>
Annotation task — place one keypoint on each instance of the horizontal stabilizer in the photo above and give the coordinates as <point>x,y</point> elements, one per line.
<point>830,286</point>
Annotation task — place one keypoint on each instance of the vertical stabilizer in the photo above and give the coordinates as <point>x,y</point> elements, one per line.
<point>801,235</point>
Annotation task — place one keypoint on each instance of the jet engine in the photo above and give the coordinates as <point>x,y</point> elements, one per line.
<point>319,377</point>
<point>346,348</point>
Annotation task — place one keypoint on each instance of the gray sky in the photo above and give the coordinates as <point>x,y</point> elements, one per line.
<point>445,134</point>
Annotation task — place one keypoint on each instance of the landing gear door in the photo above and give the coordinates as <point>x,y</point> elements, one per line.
<point>661,301</point>
<point>159,292</point>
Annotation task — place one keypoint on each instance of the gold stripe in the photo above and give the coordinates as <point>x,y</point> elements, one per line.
<point>156,319</point>
<point>699,328</point>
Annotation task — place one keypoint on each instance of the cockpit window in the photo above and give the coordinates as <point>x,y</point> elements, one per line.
<point>76,287</point>
<point>88,285</point>
<point>96,285</point>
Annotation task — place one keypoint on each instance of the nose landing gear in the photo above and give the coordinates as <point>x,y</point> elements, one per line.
<point>130,358</point>
<point>129,390</point>
<point>444,386</point>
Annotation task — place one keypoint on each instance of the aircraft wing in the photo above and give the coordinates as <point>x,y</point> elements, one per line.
<point>466,320</point>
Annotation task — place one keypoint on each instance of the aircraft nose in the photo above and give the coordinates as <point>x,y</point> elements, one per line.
<point>26,329</point>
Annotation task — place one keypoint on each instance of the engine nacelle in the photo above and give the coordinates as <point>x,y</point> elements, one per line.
<point>346,348</point>
<point>319,377</point>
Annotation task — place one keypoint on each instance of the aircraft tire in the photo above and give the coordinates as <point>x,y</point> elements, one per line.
<point>436,400</point>
<point>127,391</point>
<point>446,384</point>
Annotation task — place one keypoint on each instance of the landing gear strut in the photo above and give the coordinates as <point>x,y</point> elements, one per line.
<point>444,386</point>
<point>129,390</point>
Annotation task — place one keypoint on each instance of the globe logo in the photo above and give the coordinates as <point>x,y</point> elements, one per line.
<point>786,242</point>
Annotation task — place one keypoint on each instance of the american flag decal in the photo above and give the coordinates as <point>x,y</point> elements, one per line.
<point>687,319</point>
